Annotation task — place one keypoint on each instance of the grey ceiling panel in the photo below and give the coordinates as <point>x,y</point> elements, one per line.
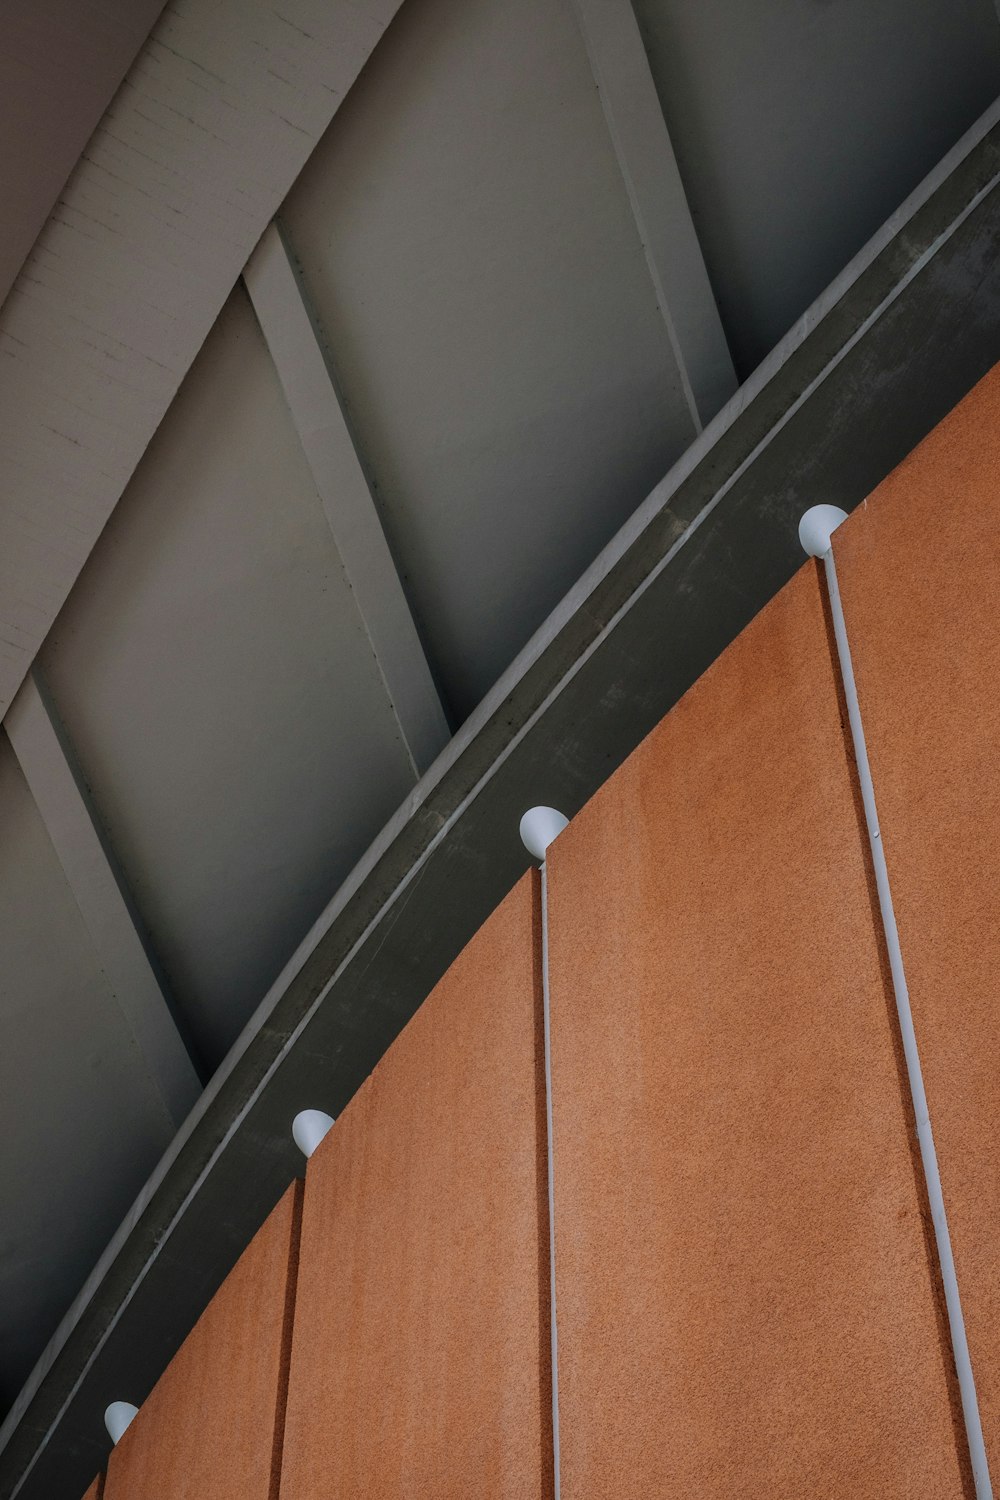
<point>799,125</point>
<point>215,680</point>
<point>81,1122</point>
<point>60,64</point>
<point>467,243</point>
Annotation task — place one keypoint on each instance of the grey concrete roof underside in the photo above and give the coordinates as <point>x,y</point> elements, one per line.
<point>400,407</point>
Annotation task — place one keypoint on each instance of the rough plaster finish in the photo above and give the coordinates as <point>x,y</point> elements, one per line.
<point>745,1298</point>
<point>920,599</point>
<point>420,1351</point>
<point>212,1426</point>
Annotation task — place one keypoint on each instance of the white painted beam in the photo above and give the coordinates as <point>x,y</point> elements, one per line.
<point>215,120</point>
<point>98,893</point>
<point>346,498</point>
<point>653,181</point>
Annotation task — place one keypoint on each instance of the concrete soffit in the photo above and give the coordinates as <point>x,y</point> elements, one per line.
<point>901,335</point>
<point>216,117</point>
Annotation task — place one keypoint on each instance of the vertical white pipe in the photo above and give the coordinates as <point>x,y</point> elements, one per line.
<point>539,826</point>
<point>925,1138</point>
<point>547,1030</point>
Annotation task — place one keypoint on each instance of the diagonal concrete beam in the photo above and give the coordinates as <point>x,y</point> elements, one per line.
<point>347,501</point>
<point>659,204</point>
<point>99,892</point>
<point>215,119</point>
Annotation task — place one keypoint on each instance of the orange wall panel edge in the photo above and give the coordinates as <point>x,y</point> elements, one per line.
<point>212,1425</point>
<point>420,1349</point>
<point>747,1301</point>
<point>919,571</point>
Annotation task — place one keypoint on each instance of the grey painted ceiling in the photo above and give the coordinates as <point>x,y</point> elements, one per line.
<point>467,242</point>
<point>213,677</point>
<point>799,126</point>
<point>60,64</point>
<point>68,1066</point>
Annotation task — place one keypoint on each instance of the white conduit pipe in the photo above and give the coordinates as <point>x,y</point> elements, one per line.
<point>538,828</point>
<point>815,533</point>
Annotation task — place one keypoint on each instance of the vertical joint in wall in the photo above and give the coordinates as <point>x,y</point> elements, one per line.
<point>816,535</point>
<point>538,828</point>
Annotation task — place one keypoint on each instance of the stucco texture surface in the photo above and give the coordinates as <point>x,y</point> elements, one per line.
<point>419,1356</point>
<point>919,570</point>
<point>747,1304</point>
<point>211,1427</point>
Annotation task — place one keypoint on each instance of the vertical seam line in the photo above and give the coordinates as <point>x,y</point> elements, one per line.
<point>914,1072</point>
<point>547,1033</point>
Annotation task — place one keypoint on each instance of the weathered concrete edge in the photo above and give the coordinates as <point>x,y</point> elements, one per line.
<point>653,537</point>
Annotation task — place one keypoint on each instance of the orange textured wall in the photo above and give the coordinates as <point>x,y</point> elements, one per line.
<point>419,1356</point>
<point>211,1427</point>
<point>746,1304</point>
<point>748,1296</point>
<point>919,570</point>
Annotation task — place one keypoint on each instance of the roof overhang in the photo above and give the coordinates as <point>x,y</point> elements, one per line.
<point>892,345</point>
